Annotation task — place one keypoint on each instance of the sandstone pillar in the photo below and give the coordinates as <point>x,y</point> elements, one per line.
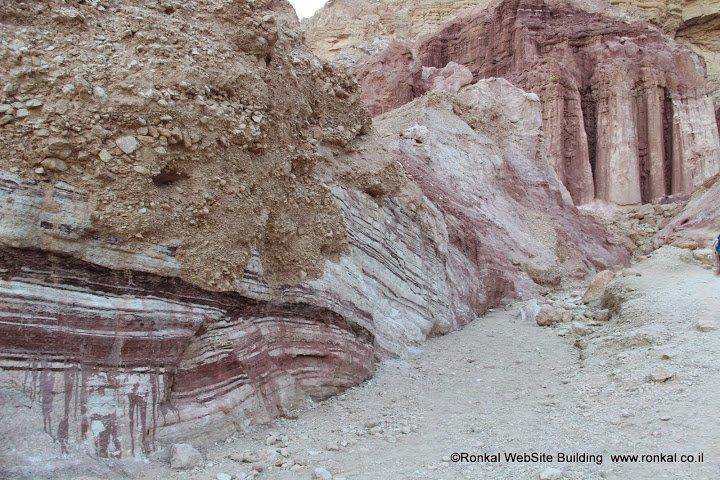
<point>651,146</point>
<point>696,146</point>
<point>617,171</point>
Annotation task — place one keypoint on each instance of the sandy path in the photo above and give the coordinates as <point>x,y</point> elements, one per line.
<point>504,385</point>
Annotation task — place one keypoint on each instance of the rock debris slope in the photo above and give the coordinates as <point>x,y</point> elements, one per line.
<point>199,228</point>
<point>626,111</point>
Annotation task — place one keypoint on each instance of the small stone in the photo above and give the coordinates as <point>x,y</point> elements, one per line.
<point>105,156</point>
<point>321,474</point>
<point>580,329</point>
<point>22,113</point>
<point>551,473</point>
<point>100,93</point>
<point>33,103</point>
<point>184,456</point>
<point>661,374</point>
<point>54,164</point>
<point>39,170</point>
<point>127,144</point>
<point>376,430</point>
<point>549,315</point>
<point>140,169</point>
<point>223,476</point>
<point>597,286</point>
<point>602,315</point>
<point>706,325</point>
<point>69,89</point>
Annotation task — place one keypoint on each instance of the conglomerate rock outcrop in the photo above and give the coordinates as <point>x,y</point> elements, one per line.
<point>626,112</point>
<point>190,237</point>
<point>201,229</point>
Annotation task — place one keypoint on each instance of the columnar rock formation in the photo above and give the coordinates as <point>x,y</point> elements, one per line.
<point>693,23</point>
<point>199,228</point>
<point>626,112</point>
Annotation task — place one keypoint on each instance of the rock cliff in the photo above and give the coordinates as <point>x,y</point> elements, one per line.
<point>190,237</point>
<point>626,112</point>
<point>201,229</point>
<point>699,221</point>
<point>349,31</point>
<point>479,156</point>
<point>693,23</point>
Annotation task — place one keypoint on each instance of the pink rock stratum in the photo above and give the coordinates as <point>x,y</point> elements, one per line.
<point>626,112</point>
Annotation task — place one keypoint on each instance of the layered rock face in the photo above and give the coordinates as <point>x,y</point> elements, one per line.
<point>349,31</point>
<point>192,237</point>
<point>479,156</point>
<point>699,221</point>
<point>626,113</point>
<point>199,229</point>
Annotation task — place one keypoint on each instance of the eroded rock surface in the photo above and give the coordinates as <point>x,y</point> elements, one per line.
<point>479,156</point>
<point>192,236</point>
<point>199,229</point>
<point>626,112</point>
<point>699,221</point>
<point>349,30</point>
<point>694,23</point>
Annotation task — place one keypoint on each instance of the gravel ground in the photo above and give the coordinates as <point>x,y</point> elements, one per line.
<point>507,385</point>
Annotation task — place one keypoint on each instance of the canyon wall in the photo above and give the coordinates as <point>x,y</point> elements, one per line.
<point>699,221</point>
<point>191,238</point>
<point>349,31</point>
<point>627,114</point>
<point>479,156</point>
<point>201,229</point>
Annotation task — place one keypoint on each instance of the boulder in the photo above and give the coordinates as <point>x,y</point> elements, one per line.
<point>596,289</point>
<point>549,315</point>
<point>184,457</point>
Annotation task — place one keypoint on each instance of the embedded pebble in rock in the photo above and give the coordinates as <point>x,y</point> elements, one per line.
<point>127,144</point>
<point>706,325</point>
<point>661,374</point>
<point>54,164</point>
